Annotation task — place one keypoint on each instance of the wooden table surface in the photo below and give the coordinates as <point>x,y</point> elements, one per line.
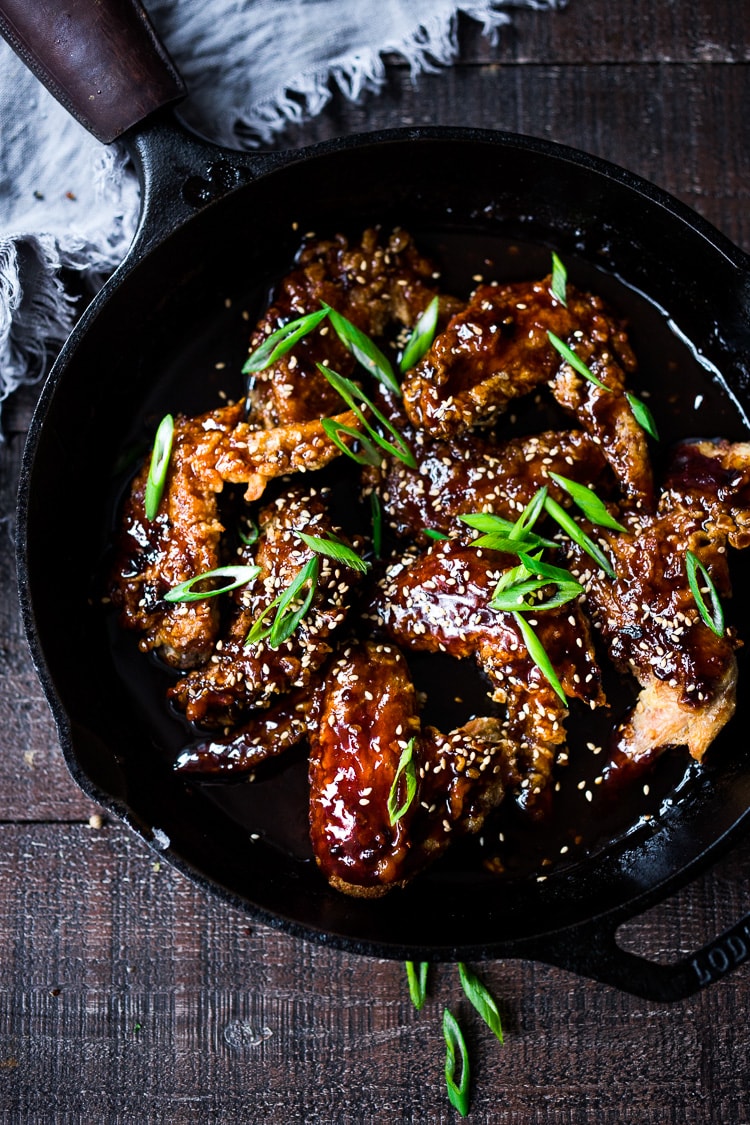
<point>129,995</point>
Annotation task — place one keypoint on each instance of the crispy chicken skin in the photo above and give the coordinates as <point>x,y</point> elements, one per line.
<point>468,473</point>
<point>438,602</point>
<point>368,716</point>
<point>376,283</point>
<point>183,540</point>
<point>497,349</point>
<point>239,676</point>
<point>648,616</point>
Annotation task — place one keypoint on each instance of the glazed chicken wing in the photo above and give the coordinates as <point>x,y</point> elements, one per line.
<point>241,676</point>
<point>374,283</point>
<point>367,720</point>
<point>497,349</point>
<point>438,602</point>
<point>468,473</point>
<point>648,615</point>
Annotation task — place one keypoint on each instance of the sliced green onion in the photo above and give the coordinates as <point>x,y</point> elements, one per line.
<point>416,974</point>
<point>239,575</point>
<point>512,546</point>
<point>363,349</point>
<point>157,473</point>
<point>376,514</point>
<point>713,618</point>
<point>351,394</point>
<point>559,281</point>
<point>592,507</point>
<point>578,535</point>
<point>421,337</point>
<point>512,577</point>
<point>482,999</point>
<point>538,654</point>
<point>458,1092</point>
<point>286,620</point>
<point>407,769</point>
<point>575,361</point>
<point>281,341</point>
<point>252,535</point>
<point>432,533</point>
<point>499,529</point>
<point>643,415</point>
<point>369,454</point>
<point>529,515</point>
<point>514,598</point>
<point>567,587</point>
<point>334,549</point>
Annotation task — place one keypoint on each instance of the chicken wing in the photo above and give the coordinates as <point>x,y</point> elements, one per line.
<point>497,349</point>
<point>241,676</point>
<point>439,602</point>
<point>368,719</point>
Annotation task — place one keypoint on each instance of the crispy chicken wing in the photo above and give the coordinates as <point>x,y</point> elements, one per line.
<point>368,718</point>
<point>183,540</point>
<point>497,349</point>
<point>241,676</point>
<point>648,616</point>
<point>438,602</point>
<point>468,473</point>
<point>374,283</point>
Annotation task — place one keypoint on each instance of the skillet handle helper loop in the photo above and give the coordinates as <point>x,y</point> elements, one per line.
<point>103,62</point>
<point>592,951</point>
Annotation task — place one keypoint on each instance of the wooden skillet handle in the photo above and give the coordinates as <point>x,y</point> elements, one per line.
<point>101,59</point>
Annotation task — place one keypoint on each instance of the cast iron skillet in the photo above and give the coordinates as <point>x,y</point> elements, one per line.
<point>217,228</point>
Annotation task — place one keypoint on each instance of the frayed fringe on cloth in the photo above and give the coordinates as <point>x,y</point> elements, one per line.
<point>69,204</point>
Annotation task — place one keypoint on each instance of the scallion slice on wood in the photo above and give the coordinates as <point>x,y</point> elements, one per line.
<point>421,337</point>
<point>288,615</point>
<point>416,975</point>
<point>713,617</point>
<point>578,535</point>
<point>363,349</point>
<point>538,654</point>
<point>575,361</point>
<point>482,999</point>
<point>406,769</point>
<point>559,285</point>
<point>455,1050</point>
<point>282,341</point>
<point>237,575</point>
<point>333,548</point>
<point>352,395</point>
<point>157,473</point>
<point>592,507</point>
<point>643,415</point>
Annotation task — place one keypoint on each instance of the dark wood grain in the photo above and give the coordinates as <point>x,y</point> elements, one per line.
<point>127,994</point>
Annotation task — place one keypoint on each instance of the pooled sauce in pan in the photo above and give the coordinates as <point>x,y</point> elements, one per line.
<point>407,667</point>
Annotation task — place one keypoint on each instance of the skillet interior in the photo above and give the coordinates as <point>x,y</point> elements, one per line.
<point>153,345</point>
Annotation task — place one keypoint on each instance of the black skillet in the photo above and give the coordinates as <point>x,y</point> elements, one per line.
<point>217,228</point>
